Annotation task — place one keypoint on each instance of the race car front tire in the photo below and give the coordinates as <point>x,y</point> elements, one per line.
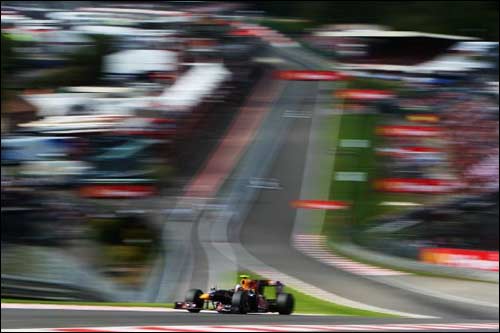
<point>285,303</point>
<point>239,302</point>
<point>193,296</point>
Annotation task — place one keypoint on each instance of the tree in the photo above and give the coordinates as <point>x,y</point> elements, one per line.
<point>473,18</point>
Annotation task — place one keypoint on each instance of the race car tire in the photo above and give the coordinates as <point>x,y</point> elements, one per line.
<point>285,303</point>
<point>193,295</point>
<point>239,302</point>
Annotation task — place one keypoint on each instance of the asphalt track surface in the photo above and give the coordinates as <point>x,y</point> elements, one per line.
<point>12,319</point>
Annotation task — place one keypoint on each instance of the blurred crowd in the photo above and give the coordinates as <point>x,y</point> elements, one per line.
<point>469,119</point>
<point>441,143</point>
<point>472,125</point>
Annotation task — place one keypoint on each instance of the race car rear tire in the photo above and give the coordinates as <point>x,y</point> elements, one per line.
<point>239,302</point>
<point>193,296</point>
<point>285,303</point>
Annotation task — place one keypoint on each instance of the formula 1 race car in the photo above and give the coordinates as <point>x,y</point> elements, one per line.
<point>247,297</point>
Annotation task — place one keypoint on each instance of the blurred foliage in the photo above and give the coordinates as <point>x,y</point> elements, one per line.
<point>55,78</point>
<point>369,83</point>
<point>93,60</point>
<point>471,18</point>
<point>81,68</point>
<point>106,231</point>
<point>118,231</point>
<point>164,173</point>
<point>124,241</point>
<point>6,49</point>
<point>118,254</point>
<point>287,27</point>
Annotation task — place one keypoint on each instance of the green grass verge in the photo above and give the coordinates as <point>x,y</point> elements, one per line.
<point>305,304</point>
<point>130,304</point>
<point>370,83</point>
<point>310,305</point>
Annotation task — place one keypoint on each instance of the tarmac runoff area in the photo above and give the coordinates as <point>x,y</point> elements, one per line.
<point>77,318</point>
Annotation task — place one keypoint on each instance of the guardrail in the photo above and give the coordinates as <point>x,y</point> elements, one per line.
<point>25,288</point>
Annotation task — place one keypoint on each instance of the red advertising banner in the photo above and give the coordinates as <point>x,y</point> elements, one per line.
<point>309,75</point>
<point>364,94</point>
<point>117,191</point>
<point>319,204</point>
<point>244,33</point>
<point>409,131</point>
<point>473,259</point>
<point>417,185</point>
